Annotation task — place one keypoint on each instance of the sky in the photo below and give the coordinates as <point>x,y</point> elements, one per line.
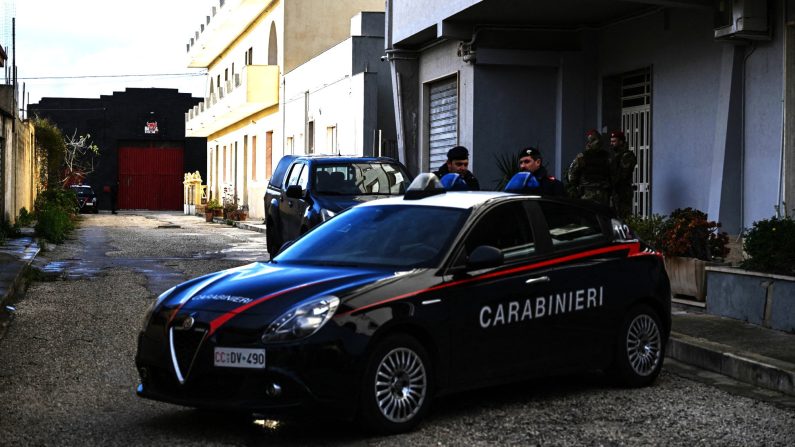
<point>80,38</point>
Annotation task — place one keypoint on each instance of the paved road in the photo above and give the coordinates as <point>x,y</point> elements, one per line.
<point>67,374</point>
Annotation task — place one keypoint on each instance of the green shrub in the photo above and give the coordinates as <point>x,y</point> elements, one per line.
<point>770,246</point>
<point>54,224</point>
<point>55,211</point>
<point>25,218</point>
<point>648,228</point>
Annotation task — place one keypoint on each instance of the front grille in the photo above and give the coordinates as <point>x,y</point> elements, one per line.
<point>185,345</point>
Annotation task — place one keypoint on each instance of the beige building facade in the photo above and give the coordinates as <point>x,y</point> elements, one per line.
<point>248,47</point>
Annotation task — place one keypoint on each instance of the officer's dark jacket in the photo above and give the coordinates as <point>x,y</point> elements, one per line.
<point>468,177</point>
<point>548,185</point>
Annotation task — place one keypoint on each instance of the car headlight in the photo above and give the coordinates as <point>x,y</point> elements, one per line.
<point>151,310</point>
<point>326,214</point>
<point>302,320</point>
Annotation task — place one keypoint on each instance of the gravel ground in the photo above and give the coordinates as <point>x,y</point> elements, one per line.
<point>67,374</point>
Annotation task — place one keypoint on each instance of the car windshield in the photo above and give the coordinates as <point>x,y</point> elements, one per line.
<point>394,236</point>
<point>82,190</point>
<point>379,178</point>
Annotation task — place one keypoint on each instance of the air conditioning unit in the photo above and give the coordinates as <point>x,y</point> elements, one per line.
<point>742,20</point>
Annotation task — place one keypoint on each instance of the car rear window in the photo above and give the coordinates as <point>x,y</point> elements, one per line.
<point>375,178</point>
<point>570,225</point>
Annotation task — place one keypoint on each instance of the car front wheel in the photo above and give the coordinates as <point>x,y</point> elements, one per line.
<point>640,348</point>
<point>397,390</point>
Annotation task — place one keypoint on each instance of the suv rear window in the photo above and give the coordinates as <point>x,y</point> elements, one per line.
<point>281,169</point>
<point>360,178</point>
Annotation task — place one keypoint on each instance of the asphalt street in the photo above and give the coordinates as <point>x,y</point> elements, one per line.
<point>67,374</point>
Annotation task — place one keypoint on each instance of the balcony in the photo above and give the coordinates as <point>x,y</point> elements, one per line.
<point>225,24</point>
<point>249,92</point>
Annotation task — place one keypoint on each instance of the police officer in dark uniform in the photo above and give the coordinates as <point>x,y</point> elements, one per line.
<point>531,160</point>
<point>624,161</point>
<point>591,172</point>
<point>458,163</point>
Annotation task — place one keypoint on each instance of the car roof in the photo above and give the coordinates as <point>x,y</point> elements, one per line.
<point>345,159</point>
<point>458,199</point>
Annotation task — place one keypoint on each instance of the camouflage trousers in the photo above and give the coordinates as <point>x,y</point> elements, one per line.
<point>622,203</point>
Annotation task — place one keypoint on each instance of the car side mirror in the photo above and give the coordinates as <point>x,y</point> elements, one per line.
<point>484,256</point>
<point>295,192</point>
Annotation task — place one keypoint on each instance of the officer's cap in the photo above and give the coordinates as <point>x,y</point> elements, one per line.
<point>532,152</point>
<point>458,153</point>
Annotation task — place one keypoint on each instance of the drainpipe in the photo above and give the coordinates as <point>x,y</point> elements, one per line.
<point>781,205</point>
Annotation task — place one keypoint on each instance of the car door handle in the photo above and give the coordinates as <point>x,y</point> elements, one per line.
<point>536,280</point>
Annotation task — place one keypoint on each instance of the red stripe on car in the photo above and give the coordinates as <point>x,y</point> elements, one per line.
<point>632,248</point>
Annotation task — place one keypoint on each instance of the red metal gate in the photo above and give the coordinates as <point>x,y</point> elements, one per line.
<point>150,178</point>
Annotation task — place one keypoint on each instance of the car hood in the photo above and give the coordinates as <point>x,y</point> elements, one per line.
<point>267,289</point>
<point>339,203</point>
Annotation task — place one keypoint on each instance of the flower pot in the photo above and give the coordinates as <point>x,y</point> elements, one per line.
<point>687,276</point>
<point>218,212</point>
<point>208,216</point>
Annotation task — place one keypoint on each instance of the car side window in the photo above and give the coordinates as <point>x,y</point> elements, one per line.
<point>507,227</point>
<point>294,174</point>
<point>303,178</point>
<point>570,225</point>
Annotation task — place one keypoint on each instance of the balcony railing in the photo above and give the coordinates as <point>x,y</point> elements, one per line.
<point>253,90</point>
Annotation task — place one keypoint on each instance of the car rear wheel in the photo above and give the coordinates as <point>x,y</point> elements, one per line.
<point>640,348</point>
<point>396,392</point>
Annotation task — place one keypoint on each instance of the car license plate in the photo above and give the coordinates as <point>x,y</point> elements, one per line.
<point>239,358</point>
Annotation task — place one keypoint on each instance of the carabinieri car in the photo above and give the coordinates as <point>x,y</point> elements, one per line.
<point>389,304</point>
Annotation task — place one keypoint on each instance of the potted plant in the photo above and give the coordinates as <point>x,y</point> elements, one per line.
<point>690,241</point>
<point>229,209</point>
<point>212,209</point>
<point>762,290</point>
<point>242,212</point>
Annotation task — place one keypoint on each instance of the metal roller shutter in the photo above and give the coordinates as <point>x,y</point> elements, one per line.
<point>443,120</point>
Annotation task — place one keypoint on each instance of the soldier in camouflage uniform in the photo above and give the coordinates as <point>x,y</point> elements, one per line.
<point>590,174</point>
<point>624,162</point>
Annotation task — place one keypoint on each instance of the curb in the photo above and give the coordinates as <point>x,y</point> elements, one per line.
<point>746,367</point>
<point>243,225</point>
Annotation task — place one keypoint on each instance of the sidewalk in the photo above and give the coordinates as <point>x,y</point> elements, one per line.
<point>15,256</point>
<point>748,353</point>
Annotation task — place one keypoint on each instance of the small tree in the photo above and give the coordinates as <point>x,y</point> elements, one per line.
<point>79,158</point>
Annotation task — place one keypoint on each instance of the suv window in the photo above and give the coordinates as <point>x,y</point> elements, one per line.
<point>360,178</point>
<point>506,227</point>
<point>570,225</point>
<point>281,169</point>
<point>295,173</point>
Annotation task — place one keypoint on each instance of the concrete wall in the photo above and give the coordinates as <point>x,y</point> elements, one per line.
<point>313,26</point>
<point>440,62</point>
<point>346,87</point>
<point>700,157</point>
<point>514,108</point>
<point>20,175</point>
<point>411,17</point>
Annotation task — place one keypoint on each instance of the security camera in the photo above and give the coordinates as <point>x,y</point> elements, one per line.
<point>383,58</point>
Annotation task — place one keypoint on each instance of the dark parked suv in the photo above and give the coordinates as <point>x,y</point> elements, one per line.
<point>306,190</point>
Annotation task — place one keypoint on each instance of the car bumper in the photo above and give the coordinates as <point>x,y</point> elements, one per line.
<point>297,380</point>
